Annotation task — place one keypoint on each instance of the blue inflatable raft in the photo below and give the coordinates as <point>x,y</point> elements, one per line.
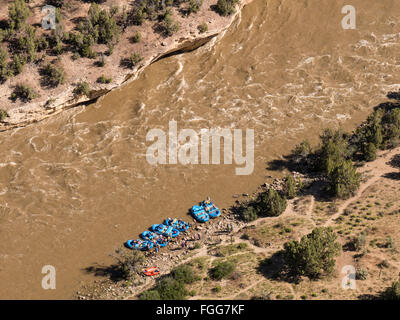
<point>181,225</point>
<point>138,244</point>
<point>211,209</point>
<point>154,237</point>
<point>199,213</point>
<point>164,230</point>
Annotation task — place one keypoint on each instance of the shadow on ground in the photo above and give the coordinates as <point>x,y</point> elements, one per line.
<point>113,272</point>
<point>275,268</point>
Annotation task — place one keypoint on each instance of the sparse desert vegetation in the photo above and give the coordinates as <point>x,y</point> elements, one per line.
<point>127,33</point>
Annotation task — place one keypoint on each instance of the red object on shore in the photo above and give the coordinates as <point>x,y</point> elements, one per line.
<point>153,271</point>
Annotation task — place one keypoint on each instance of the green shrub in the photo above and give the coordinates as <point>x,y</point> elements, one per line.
<point>103,79</point>
<point>75,56</point>
<point>369,152</point>
<point>226,7</point>
<point>129,262</point>
<point>290,187</point>
<point>82,88</point>
<point>29,44</point>
<point>149,295</point>
<point>245,236</point>
<point>83,44</point>
<point>249,214</point>
<point>197,245</point>
<point>173,286</point>
<point>202,27</point>
<point>54,76</point>
<point>137,16</point>
<point>302,150</point>
<point>58,15</point>
<point>333,151</point>
<point>58,47</point>
<point>358,243</point>
<point>384,264</point>
<point>372,131</point>
<point>3,34</point>
<point>392,292</point>
<point>382,128</point>
<point>17,64</point>
<point>185,274</point>
<point>23,92</point>
<point>4,71</point>
<point>137,37</point>
<point>389,243</point>
<point>222,270</point>
<point>101,25</point>
<point>151,9</point>
<point>265,295</point>
<point>3,114</point>
<point>313,254</point>
<point>343,180</point>
<point>18,12</point>
<point>102,61</point>
<point>194,6</point>
<point>271,204</point>
<point>361,274</point>
<point>168,25</point>
<point>134,59</point>
<point>171,289</point>
<point>391,128</point>
<point>110,49</point>
<point>287,230</point>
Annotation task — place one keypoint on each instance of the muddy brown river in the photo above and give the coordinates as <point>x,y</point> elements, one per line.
<point>76,186</point>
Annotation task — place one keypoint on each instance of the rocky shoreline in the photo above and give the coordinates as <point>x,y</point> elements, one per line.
<point>214,232</point>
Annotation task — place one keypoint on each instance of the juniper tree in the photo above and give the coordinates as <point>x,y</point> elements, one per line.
<point>169,25</point>
<point>333,150</point>
<point>290,187</point>
<point>270,203</point>
<point>3,114</point>
<point>314,254</point>
<point>4,71</point>
<point>134,59</point>
<point>82,88</point>
<point>343,180</point>
<point>249,214</point>
<point>369,152</point>
<point>226,7</point>
<point>23,92</point>
<point>54,76</point>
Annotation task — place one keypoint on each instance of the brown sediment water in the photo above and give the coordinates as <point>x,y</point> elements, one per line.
<point>76,186</point>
